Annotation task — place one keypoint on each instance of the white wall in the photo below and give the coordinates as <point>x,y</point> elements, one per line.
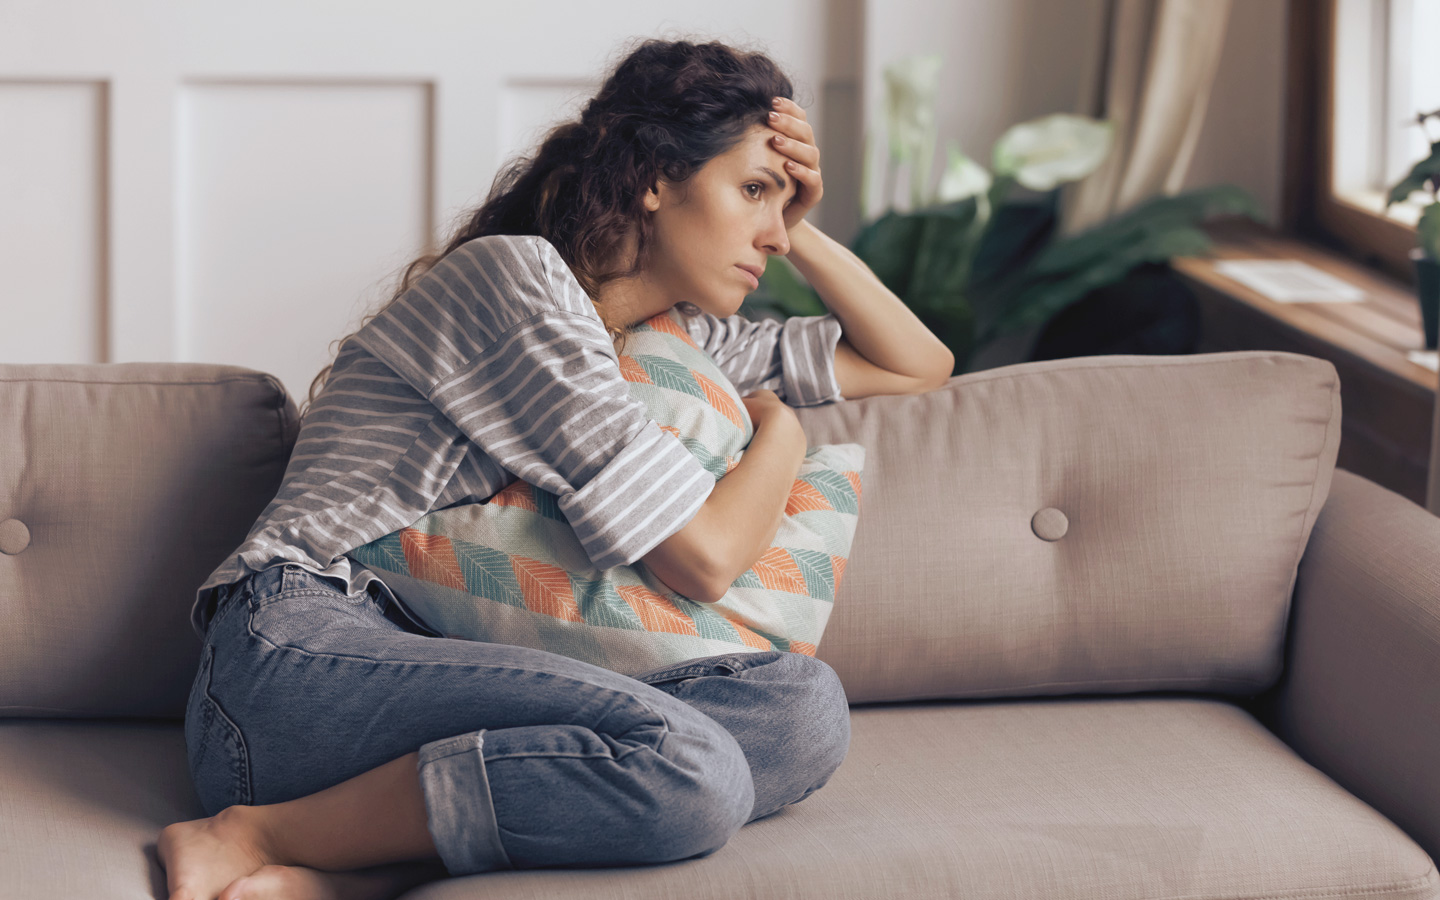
<point>239,182</point>
<point>1004,61</point>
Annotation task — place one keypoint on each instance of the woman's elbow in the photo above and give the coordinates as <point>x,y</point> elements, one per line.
<point>682,563</point>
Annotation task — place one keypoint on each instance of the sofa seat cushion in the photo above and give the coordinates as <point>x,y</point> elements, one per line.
<point>1141,796</point>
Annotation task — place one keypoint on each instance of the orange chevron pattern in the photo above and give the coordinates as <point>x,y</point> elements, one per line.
<point>546,589</point>
<point>805,498</point>
<point>838,564</point>
<point>777,571</point>
<point>854,479</point>
<point>671,428</point>
<point>655,612</point>
<point>631,370</point>
<point>802,647</point>
<point>750,638</point>
<point>666,325</point>
<point>717,398</point>
<point>431,557</point>
<point>517,493</point>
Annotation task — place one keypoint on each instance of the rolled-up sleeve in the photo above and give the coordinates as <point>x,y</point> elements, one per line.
<point>543,397</point>
<point>795,358</point>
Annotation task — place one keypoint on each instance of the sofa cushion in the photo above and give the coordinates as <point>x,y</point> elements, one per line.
<point>132,482</point>
<point>1101,524</point>
<point>1095,798</point>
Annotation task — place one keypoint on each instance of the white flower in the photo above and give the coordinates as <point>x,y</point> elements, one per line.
<point>1052,150</point>
<point>963,177</point>
<point>910,108</point>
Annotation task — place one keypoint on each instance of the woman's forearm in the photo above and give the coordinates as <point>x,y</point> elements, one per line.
<point>878,324</point>
<point>746,507</point>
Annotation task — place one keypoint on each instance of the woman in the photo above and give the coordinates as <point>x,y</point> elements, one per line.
<point>329,732</point>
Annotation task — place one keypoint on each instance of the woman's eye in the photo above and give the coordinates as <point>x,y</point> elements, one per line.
<point>756,185</point>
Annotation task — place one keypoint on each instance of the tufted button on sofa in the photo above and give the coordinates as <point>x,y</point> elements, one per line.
<point>1113,627</point>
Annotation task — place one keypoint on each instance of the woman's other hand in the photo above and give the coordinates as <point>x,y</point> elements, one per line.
<point>766,407</point>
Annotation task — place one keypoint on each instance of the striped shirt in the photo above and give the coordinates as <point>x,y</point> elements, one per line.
<point>494,366</point>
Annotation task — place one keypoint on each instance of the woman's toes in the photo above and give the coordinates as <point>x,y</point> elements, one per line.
<point>301,883</point>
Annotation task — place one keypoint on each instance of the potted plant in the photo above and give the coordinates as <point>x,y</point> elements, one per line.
<point>1425,177</point>
<point>972,262</point>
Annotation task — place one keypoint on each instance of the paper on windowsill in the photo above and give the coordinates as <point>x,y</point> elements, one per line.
<point>1289,281</point>
<point>1430,359</point>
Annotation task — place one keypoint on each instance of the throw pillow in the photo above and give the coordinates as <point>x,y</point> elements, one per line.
<point>510,570</point>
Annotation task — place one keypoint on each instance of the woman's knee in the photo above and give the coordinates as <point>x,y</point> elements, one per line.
<point>817,702</point>
<point>711,800</point>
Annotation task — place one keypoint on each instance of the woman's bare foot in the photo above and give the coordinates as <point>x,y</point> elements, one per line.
<point>202,856</point>
<point>273,882</point>
<point>228,857</point>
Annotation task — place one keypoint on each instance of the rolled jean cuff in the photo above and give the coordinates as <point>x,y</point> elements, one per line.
<point>458,808</point>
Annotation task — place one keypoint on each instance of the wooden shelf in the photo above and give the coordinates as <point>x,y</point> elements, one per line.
<point>1387,400</point>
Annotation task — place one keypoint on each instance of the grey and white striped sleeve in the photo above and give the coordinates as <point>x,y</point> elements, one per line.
<point>541,393</point>
<point>794,358</point>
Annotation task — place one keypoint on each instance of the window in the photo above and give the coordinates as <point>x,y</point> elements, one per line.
<point>1360,71</point>
<point>1386,70</point>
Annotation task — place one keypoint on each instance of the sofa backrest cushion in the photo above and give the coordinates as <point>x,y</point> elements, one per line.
<point>122,487</point>
<point>1100,524</point>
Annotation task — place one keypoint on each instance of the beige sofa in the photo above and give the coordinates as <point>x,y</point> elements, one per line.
<point>1113,627</point>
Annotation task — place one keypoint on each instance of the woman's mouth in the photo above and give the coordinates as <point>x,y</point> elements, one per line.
<point>750,276</point>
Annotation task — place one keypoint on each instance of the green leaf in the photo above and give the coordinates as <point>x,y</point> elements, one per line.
<point>667,373</point>
<point>1428,231</point>
<point>785,291</point>
<point>1155,216</point>
<point>1423,171</point>
<point>1043,299</point>
<point>888,246</point>
<point>945,243</point>
<point>1015,235</point>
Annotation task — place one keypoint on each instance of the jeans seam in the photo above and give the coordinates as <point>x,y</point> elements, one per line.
<point>305,592</point>
<point>240,767</point>
<point>250,628</point>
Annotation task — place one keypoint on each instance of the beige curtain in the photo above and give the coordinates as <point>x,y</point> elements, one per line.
<point>1156,63</point>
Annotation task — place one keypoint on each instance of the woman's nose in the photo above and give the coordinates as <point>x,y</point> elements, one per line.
<point>777,238</point>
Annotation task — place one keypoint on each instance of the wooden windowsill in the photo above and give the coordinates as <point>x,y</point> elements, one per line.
<point>1380,329</point>
<point>1387,400</point>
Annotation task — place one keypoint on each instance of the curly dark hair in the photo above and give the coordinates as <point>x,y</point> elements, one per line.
<point>665,110</point>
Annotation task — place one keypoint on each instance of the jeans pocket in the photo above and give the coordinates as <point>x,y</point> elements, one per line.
<point>724,664</point>
<point>219,763</point>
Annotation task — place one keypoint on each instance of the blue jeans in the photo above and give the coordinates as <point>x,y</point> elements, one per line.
<point>526,758</point>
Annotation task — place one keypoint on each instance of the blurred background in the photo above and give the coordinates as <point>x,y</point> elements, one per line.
<point>240,183</point>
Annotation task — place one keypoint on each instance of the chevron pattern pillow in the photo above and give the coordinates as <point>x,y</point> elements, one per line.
<point>511,571</point>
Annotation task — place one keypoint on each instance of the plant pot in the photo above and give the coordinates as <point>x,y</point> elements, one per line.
<point>1427,291</point>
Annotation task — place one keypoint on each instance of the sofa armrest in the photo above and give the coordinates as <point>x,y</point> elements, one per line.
<point>1360,695</point>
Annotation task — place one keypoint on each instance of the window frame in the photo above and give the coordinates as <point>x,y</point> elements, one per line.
<point>1310,208</point>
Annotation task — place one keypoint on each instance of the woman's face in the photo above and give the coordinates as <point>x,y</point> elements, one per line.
<point>727,215</point>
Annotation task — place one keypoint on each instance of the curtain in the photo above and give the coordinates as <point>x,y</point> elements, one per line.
<point>1157,62</point>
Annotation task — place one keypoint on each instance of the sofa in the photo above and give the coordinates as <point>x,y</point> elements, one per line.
<point>1112,627</point>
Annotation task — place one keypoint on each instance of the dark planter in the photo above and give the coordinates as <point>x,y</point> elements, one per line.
<point>1427,290</point>
<point>1149,311</point>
